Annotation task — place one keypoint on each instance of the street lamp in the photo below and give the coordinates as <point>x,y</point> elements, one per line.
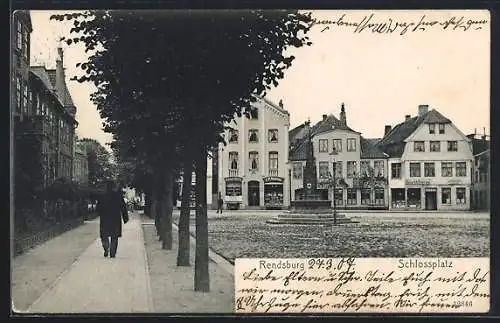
<point>334,163</point>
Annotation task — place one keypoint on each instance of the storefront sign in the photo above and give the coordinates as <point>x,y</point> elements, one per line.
<point>233,179</point>
<point>455,181</point>
<point>431,189</point>
<point>418,182</point>
<point>273,179</point>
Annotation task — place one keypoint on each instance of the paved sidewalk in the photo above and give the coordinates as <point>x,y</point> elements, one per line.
<point>94,284</point>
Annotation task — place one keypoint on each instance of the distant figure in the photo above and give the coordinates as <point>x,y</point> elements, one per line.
<point>111,209</point>
<point>220,202</point>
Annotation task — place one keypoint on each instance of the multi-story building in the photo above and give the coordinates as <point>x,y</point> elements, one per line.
<point>430,162</point>
<point>80,164</point>
<point>252,168</point>
<point>52,119</point>
<point>357,166</point>
<point>211,200</point>
<point>480,193</point>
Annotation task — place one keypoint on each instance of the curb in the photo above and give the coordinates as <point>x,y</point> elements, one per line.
<point>146,268</point>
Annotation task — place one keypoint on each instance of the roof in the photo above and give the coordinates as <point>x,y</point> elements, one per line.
<point>394,142</point>
<point>369,150</point>
<point>48,77</point>
<point>274,105</point>
<point>479,145</point>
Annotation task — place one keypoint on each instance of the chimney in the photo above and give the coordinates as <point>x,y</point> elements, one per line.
<point>60,74</point>
<point>281,104</point>
<point>407,117</point>
<point>342,115</point>
<point>423,109</point>
<point>324,117</point>
<point>387,129</point>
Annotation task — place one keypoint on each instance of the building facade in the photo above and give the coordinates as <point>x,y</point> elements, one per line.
<point>80,164</point>
<point>480,193</point>
<point>351,171</point>
<point>430,162</point>
<point>252,168</point>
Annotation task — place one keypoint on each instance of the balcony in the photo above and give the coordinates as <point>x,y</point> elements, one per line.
<point>273,172</point>
<point>233,172</point>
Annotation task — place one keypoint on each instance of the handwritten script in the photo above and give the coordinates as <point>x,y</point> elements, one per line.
<point>370,23</point>
<point>390,285</point>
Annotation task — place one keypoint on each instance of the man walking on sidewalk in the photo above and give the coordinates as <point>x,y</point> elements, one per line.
<point>220,203</point>
<point>111,209</point>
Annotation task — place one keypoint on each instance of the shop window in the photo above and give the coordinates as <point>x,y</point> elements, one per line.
<point>446,195</point>
<point>352,196</point>
<point>446,169</point>
<point>365,196</point>
<point>419,146</point>
<point>323,145</point>
<point>435,146</point>
<point>414,197</point>
<point>461,195</point>
<point>460,169</point>
<point>398,198</point>
<point>379,196</point>
<point>233,189</point>
<point>414,169</point>
<point>351,144</point>
<point>339,196</point>
<point>337,145</point>
<point>429,170</point>
<point>396,170</point>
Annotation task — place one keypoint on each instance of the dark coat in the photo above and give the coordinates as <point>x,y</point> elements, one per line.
<point>111,208</point>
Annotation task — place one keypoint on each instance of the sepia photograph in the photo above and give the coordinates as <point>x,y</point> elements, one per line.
<point>186,160</point>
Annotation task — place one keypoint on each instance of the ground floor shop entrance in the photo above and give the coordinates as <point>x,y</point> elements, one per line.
<point>253,193</point>
<point>431,199</point>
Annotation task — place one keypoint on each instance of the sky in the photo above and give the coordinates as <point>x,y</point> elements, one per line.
<point>380,77</point>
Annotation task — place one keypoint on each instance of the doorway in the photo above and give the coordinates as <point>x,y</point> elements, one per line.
<point>431,200</point>
<point>253,193</point>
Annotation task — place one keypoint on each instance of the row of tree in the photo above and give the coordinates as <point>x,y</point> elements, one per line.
<point>167,83</point>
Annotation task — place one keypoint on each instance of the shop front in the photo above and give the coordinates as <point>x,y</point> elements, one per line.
<point>273,192</point>
<point>233,196</point>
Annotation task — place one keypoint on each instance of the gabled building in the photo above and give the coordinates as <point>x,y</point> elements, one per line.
<point>430,162</point>
<point>252,168</point>
<point>360,167</point>
<point>480,195</point>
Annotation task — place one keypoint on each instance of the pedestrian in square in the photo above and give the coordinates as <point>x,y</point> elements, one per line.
<point>220,202</point>
<point>111,209</point>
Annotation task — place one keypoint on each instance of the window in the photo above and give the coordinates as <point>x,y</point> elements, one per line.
<point>429,170</point>
<point>254,113</point>
<point>233,136</point>
<point>432,128</point>
<point>253,158</point>
<point>233,160</point>
<point>396,170</point>
<point>441,128</point>
<point>446,169</point>
<point>273,163</point>
<point>378,167</point>
<point>18,94</point>
<point>435,146</point>
<point>414,197</point>
<point>273,135</point>
<point>351,144</point>
<point>19,35</point>
<point>351,169</point>
<point>233,189</point>
<point>337,167</point>
<point>337,145</point>
<point>379,196</point>
<point>30,102</point>
<point>365,196</point>
<point>323,145</point>
<point>452,146</point>
<point>25,98</point>
<point>364,168</point>
<point>323,169</point>
<point>460,195</point>
<point>339,196</point>
<point>253,135</point>
<point>352,196</point>
<point>25,45</point>
<point>297,170</point>
<point>418,146</point>
<point>38,109</point>
<point>446,195</point>
<point>414,169</point>
<point>461,169</point>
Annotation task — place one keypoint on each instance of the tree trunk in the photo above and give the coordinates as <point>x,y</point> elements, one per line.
<point>155,206</point>
<point>147,204</point>
<point>184,250</point>
<point>201,273</point>
<point>166,209</point>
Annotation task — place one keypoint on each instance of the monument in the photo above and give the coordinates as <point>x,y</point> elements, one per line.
<point>309,207</point>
